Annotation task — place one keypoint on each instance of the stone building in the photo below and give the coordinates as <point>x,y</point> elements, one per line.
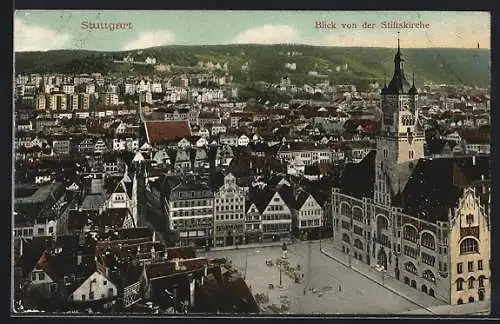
<point>426,221</point>
<point>186,203</point>
<point>229,213</point>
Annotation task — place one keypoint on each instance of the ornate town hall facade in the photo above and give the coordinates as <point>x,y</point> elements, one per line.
<point>425,219</point>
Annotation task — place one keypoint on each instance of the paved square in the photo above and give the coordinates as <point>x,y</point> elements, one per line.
<point>358,295</point>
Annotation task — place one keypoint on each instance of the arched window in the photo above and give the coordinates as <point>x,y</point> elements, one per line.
<point>382,222</point>
<point>346,238</point>
<point>345,209</point>
<point>470,282</point>
<point>410,267</point>
<point>469,245</point>
<point>481,281</point>
<point>410,233</point>
<point>357,214</point>
<point>427,274</point>
<point>460,284</point>
<point>358,244</point>
<point>428,241</point>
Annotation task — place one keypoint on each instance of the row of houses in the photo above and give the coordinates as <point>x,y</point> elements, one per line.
<point>205,213</point>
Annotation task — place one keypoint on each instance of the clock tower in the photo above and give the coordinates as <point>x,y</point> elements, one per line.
<point>401,140</point>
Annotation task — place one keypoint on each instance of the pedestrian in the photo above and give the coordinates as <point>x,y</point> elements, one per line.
<point>340,288</point>
<point>304,291</point>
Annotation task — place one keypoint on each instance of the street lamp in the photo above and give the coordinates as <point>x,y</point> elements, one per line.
<point>280,273</point>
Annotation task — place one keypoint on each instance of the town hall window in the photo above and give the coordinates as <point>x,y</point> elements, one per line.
<point>481,281</point>
<point>469,219</point>
<point>469,245</point>
<point>471,282</point>
<point>428,241</point>
<point>410,233</point>
<point>460,284</point>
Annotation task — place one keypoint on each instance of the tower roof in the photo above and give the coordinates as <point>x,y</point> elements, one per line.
<point>398,83</point>
<point>413,89</point>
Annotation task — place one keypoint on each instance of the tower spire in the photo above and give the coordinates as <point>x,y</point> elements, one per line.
<point>399,48</point>
<point>398,83</point>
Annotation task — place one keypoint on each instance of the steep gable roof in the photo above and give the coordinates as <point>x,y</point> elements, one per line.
<point>260,197</point>
<point>358,179</point>
<point>162,130</point>
<point>436,185</point>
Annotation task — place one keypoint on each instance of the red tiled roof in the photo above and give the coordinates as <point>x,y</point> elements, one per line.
<point>161,130</point>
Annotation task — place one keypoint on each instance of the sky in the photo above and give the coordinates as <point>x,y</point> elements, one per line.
<point>43,30</point>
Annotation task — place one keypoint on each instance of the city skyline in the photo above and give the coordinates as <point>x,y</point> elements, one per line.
<point>76,30</point>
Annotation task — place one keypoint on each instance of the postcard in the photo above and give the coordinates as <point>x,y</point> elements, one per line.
<point>251,163</point>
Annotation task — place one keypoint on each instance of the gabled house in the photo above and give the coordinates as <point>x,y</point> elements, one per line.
<point>95,288</point>
<point>200,159</point>
<point>61,269</point>
<point>183,160</point>
<point>100,146</point>
<point>276,215</point>
<point>161,158</point>
<point>224,155</point>
<point>199,141</point>
<point>307,216</point>
<point>184,143</point>
<point>253,223</point>
<point>203,132</point>
<point>86,146</point>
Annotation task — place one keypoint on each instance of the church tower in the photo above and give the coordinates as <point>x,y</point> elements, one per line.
<point>401,140</point>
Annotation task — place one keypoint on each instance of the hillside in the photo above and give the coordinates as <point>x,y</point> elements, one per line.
<point>267,62</point>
